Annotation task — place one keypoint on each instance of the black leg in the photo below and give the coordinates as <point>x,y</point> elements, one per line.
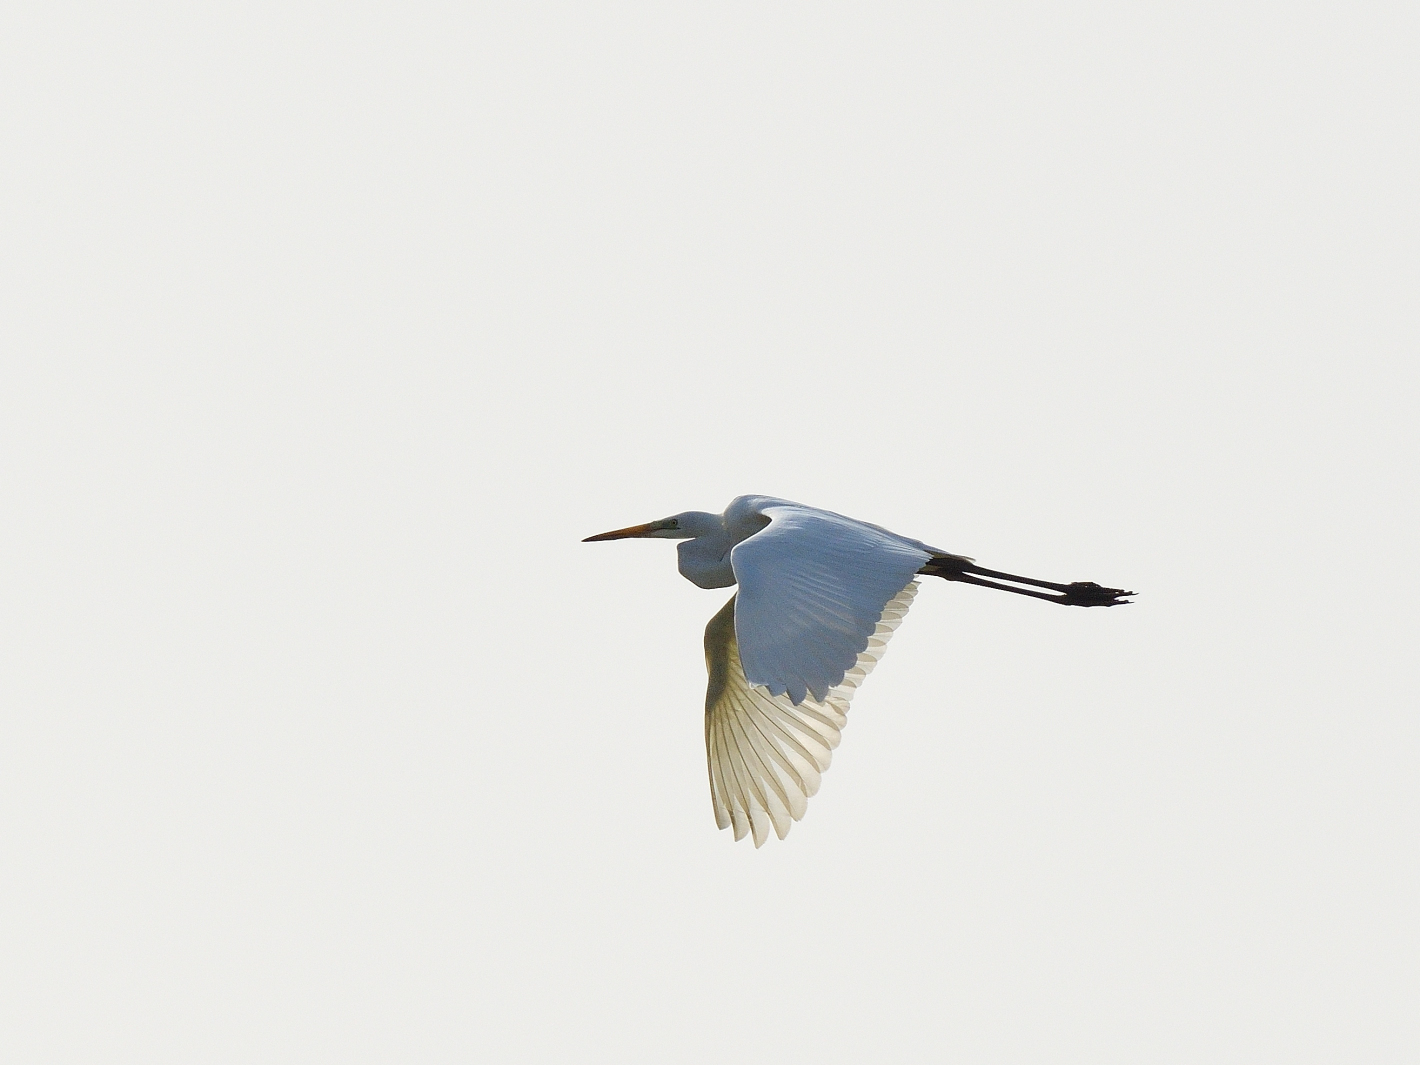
<point>1080,593</point>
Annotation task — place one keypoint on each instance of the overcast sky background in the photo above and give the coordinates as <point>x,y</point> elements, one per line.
<point>331,329</point>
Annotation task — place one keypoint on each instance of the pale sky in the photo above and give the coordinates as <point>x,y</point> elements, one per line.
<point>332,329</point>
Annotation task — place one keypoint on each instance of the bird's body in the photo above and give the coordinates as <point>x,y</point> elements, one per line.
<point>819,596</point>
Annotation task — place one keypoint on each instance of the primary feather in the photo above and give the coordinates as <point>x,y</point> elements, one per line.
<point>767,752</point>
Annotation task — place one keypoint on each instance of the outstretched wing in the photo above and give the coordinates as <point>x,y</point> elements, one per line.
<point>766,753</point>
<point>812,585</point>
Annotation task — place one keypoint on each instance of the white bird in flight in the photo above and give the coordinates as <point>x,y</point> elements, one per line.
<point>819,597</point>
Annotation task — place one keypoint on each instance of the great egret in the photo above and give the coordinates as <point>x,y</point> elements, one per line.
<point>819,597</point>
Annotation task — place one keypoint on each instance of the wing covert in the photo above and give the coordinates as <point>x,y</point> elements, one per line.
<point>812,586</point>
<point>766,753</point>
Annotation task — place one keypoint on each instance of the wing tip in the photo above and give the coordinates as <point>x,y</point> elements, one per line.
<point>753,790</point>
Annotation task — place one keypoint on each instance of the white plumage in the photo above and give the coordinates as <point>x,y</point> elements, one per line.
<point>819,596</point>
<point>812,587</point>
<point>766,753</point>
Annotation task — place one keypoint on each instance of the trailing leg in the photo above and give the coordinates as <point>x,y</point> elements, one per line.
<point>1080,593</point>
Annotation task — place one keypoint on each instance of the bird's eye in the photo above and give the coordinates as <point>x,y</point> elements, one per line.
<point>672,524</point>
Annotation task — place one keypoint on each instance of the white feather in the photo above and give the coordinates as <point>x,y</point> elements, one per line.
<point>812,587</point>
<point>766,753</point>
<point>819,596</point>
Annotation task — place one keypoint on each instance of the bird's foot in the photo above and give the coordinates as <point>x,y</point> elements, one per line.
<point>1088,593</point>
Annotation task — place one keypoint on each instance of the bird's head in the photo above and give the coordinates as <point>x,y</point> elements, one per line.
<point>685,526</point>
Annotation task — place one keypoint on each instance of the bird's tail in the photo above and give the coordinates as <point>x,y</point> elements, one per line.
<point>1080,593</point>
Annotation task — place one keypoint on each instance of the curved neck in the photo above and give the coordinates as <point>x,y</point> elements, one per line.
<point>705,559</point>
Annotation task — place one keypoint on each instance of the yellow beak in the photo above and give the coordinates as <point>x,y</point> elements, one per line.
<point>622,534</point>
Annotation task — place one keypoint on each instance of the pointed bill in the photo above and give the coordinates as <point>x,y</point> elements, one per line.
<point>623,534</point>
